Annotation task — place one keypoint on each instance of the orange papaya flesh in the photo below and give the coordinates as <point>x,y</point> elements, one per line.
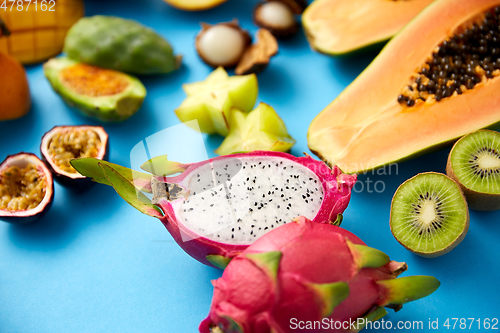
<point>337,27</point>
<point>366,127</point>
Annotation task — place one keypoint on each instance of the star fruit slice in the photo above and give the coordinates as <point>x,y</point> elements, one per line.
<point>211,101</point>
<point>260,129</point>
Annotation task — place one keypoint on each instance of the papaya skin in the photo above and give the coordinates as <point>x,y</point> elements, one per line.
<point>15,100</point>
<point>365,128</point>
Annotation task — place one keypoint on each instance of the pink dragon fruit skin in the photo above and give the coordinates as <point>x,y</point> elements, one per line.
<point>216,208</point>
<point>308,271</point>
<point>336,188</point>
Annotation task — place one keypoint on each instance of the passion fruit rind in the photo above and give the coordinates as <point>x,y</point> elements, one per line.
<point>25,195</point>
<point>104,94</point>
<point>63,143</point>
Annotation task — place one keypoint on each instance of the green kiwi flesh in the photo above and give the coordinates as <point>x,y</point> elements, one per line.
<point>429,214</point>
<point>474,163</point>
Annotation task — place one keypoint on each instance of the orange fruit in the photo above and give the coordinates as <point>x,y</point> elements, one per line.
<point>15,98</point>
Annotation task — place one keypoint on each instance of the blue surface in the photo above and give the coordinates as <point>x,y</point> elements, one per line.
<point>94,264</point>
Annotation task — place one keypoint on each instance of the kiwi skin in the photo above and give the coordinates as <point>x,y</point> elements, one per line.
<point>476,200</point>
<point>454,244</point>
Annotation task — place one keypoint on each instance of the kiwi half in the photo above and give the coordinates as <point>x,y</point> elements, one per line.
<point>474,163</point>
<point>429,214</point>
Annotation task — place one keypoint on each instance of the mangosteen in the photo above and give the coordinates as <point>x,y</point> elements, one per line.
<point>276,16</point>
<point>222,44</point>
<point>63,143</point>
<point>26,189</point>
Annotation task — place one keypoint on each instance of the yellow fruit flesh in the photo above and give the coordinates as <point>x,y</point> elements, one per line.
<point>38,34</point>
<point>65,146</point>
<point>21,188</point>
<point>93,81</point>
<point>194,5</point>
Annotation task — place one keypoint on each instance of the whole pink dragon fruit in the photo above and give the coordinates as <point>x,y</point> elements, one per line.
<point>309,277</point>
<point>216,208</point>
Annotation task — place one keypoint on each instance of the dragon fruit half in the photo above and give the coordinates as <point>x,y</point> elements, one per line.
<point>309,277</point>
<point>214,209</point>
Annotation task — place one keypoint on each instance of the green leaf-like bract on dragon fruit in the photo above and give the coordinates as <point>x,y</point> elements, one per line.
<point>215,209</point>
<point>306,272</point>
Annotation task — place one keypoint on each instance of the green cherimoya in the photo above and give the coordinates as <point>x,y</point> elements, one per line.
<point>119,44</point>
<point>260,129</point>
<point>211,101</point>
<point>104,94</point>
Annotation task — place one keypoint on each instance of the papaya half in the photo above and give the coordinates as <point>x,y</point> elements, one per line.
<point>338,27</point>
<point>436,81</point>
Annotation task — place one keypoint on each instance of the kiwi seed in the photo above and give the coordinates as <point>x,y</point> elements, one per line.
<point>429,214</point>
<point>474,163</point>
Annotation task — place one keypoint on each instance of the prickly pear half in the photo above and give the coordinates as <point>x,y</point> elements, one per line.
<point>214,209</point>
<point>120,44</point>
<point>305,272</point>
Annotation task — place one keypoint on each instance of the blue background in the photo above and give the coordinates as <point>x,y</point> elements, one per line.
<point>94,264</point>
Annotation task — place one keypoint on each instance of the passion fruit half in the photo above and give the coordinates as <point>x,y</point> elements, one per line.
<point>26,189</point>
<point>63,143</point>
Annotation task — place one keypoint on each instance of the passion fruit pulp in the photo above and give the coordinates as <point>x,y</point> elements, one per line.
<point>63,143</point>
<point>26,189</point>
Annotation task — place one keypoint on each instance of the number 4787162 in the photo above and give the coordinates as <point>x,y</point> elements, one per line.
<point>24,5</point>
<point>471,323</point>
